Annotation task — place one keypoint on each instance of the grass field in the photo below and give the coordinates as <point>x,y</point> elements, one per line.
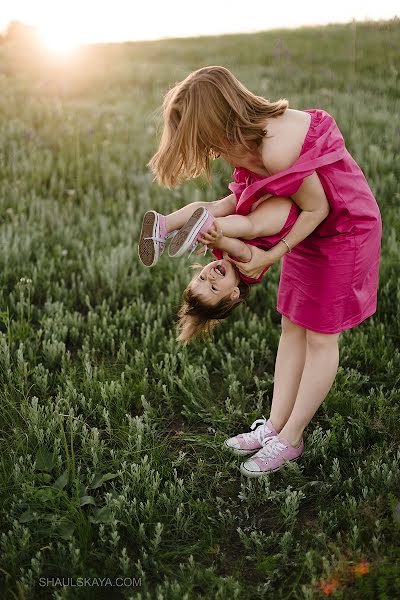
<point>111,432</point>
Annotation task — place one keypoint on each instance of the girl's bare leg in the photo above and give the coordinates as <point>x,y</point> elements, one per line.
<point>178,218</point>
<point>289,366</point>
<point>320,368</point>
<point>267,219</point>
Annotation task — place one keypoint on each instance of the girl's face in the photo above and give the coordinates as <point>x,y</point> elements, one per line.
<point>219,279</point>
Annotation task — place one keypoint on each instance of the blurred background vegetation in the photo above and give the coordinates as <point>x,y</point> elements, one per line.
<point>111,433</point>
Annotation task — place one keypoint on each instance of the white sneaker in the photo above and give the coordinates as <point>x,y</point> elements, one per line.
<point>199,223</point>
<point>151,243</point>
<point>247,443</point>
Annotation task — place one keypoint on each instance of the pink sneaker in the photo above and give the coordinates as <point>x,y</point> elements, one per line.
<point>186,238</point>
<point>274,453</point>
<point>247,443</point>
<point>152,238</point>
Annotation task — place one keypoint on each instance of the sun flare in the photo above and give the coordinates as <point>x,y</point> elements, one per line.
<point>58,40</point>
<point>68,24</point>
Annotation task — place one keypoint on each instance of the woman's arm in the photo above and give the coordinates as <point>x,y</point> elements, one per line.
<point>312,200</point>
<point>314,205</point>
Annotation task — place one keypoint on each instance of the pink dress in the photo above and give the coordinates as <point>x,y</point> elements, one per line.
<point>265,243</point>
<point>329,282</point>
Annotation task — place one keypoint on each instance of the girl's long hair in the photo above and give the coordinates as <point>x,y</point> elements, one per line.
<point>208,113</point>
<point>197,319</point>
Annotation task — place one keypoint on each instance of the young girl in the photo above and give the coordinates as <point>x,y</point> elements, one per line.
<point>220,286</point>
<point>330,265</point>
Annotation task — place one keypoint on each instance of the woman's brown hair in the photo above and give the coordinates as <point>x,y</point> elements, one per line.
<point>198,319</point>
<point>204,115</point>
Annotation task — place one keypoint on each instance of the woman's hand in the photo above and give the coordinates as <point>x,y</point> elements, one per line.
<point>260,259</point>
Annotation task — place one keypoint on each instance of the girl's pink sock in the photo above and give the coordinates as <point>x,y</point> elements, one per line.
<point>163,225</point>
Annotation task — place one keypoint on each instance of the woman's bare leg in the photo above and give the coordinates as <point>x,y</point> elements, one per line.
<point>289,366</point>
<point>320,368</point>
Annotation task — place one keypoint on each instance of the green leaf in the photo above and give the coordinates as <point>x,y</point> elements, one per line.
<point>44,477</point>
<point>98,479</point>
<point>45,494</point>
<point>26,517</point>
<point>44,459</point>
<point>65,529</point>
<point>87,500</point>
<point>102,515</point>
<point>268,564</point>
<point>62,481</point>
<point>51,517</point>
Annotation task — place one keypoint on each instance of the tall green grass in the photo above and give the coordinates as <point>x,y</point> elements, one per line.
<point>111,432</point>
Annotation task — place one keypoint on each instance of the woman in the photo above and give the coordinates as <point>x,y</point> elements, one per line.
<point>330,258</point>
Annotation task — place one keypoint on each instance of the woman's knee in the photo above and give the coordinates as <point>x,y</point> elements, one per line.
<point>321,340</point>
<point>288,327</point>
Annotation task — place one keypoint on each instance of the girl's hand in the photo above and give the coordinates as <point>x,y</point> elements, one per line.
<point>212,237</point>
<point>256,265</point>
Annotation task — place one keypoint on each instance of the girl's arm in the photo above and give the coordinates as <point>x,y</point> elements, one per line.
<point>234,247</point>
<point>214,238</point>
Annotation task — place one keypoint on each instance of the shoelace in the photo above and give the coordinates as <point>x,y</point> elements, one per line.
<point>258,434</point>
<point>271,447</point>
<point>193,248</point>
<point>160,239</point>
<point>155,238</point>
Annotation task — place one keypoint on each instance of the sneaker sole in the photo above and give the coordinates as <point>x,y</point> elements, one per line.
<point>188,233</point>
<point>148,250</point>
<point>261,473</point>
<point>240,451</point>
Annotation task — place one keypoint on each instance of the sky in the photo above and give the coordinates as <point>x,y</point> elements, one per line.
<point>71,22</point>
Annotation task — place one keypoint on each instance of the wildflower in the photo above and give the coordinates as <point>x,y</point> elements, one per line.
<point>90,130</point>
<point>362,568</point>
<point>25,280</point>
<point>328,587</point>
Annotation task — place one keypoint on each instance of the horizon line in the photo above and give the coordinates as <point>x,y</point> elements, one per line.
<point>364,21</point>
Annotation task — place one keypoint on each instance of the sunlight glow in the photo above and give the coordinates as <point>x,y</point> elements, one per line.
<point>57,40</point>
<point>67,23</point>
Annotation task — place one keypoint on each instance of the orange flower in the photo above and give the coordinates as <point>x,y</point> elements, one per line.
<point>362,568</point>
<point>328,587</point>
